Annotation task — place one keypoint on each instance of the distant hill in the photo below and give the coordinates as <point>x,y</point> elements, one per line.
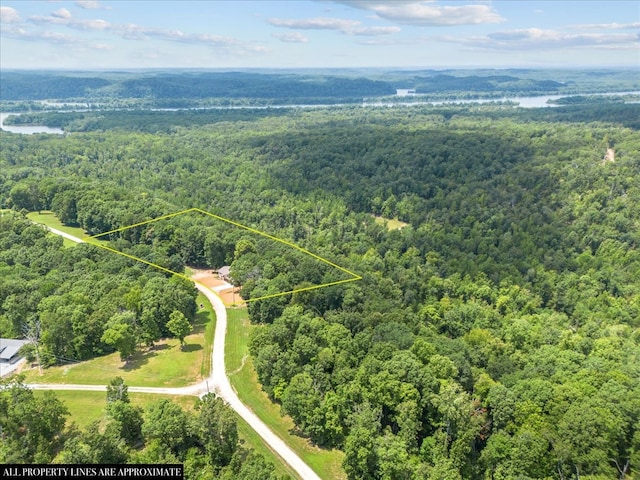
<point>184,88</point>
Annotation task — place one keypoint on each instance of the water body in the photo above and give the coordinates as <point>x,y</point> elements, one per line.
<point>541,101</point>
<point>27,129</point>
<point>523,102</point>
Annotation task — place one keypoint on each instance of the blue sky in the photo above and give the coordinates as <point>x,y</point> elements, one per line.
<point>88,34</point>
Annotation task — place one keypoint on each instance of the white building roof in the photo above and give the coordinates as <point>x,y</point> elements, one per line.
<point>9,348</point>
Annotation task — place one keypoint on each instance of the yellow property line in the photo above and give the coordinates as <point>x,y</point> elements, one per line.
<point>143,223</point>
<point>355,277</point>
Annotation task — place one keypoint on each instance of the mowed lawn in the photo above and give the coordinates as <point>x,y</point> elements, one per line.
<point>166,365</point>
<point>87,407</point>
<point>326,463</point>
<point>50,220</point>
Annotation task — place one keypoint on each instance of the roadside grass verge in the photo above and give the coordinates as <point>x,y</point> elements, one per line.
<point>326,463</point>
<point>205,325</point>
<point>166,365</point>
<point>251,439</point>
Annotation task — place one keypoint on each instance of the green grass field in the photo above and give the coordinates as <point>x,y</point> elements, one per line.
<point>87,407</point>
<point>164,366</point>
<point>50,220</point>
<point>326,463</point>
<point>392,223</point>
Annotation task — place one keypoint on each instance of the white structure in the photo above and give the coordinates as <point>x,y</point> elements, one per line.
<point>223,273</point>
<point>9,356</point>
<point>404,92</point>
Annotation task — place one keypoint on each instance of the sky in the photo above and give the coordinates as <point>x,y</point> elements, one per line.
<point>101,34</point>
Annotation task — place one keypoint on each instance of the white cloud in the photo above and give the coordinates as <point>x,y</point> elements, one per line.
<point>102,46</point>
<point>39,19</point>
<point>234,46</point>
<point>421,14</point>
<point>348,27</point>
<point>62,13</point>
<point>56,37</point>
<point>369,4</point>
<point>88,4</point>
<point>315,24</point>
<point>374,31</point>
<point>60,18</point>
<point>427,14</point>
<point>608,26</point>
<point>536,38</point>
<point>293,37</point>
<point>9,15</point>
<point>132,31</point>
<point>96,24</point>
<point>48,37</point>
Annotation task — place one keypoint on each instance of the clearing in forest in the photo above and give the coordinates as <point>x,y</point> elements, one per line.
<point>391,223</point>
<point>229,294</point>
<point>235,299</point>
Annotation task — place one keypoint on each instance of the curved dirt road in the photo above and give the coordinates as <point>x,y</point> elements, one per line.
<point>223,388</point>
<point>217,381</point>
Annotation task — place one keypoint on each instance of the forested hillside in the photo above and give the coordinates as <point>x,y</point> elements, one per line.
<point>495,336</point>
<point>190,88</point>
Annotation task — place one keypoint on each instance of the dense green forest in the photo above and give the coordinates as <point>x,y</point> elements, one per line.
<point>495,336</point>
<point>83,301</point>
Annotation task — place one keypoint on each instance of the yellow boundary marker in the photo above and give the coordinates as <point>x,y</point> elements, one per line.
<point>354,276</point>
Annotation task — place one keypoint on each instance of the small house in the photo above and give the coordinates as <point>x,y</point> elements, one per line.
<point>10,359</point>
<point>224,272</point>
<point>9,349</point>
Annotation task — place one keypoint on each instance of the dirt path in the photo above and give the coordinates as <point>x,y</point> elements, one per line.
<point>217,381</point>
<point>610,156</point>
<point>64,234</point>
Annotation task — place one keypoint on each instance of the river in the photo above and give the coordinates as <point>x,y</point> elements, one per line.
<point>541,101</point>
<point>27,129</point>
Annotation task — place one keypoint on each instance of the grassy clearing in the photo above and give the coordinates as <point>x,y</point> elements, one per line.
<point>326,463</point>
<point>50,220</point>
<point>87,407</point>
<point>163,366</point>
<point>391,223</point>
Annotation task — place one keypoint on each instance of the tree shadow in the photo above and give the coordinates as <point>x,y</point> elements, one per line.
<point>159,348</point>
<point>200,322</point>
<point>192,347</point>
<point>142,357</point>
<point>297,432</point>
<point>138,360</point>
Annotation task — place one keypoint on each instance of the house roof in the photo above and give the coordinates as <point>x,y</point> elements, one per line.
<point>9,347</point>
<point>224,270</point>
